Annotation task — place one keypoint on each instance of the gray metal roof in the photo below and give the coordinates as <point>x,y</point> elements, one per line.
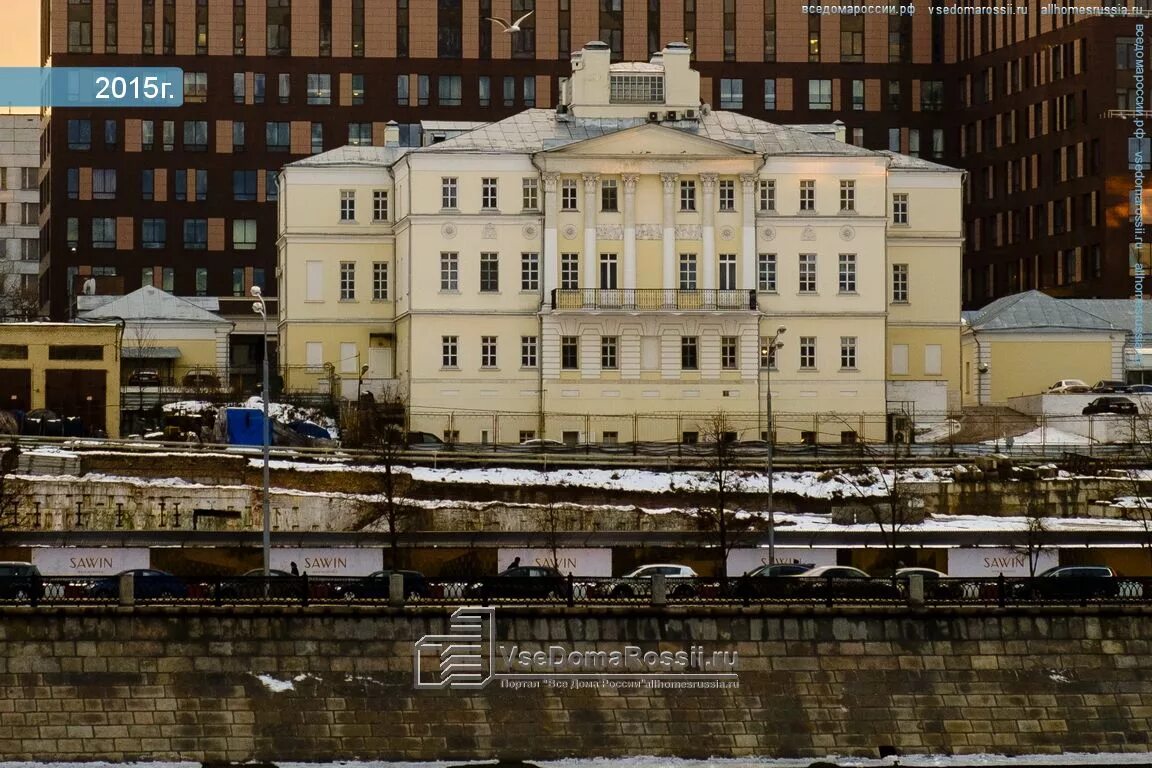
<point>908,163</point>
<point>353,155</point>
<point>148,303</point>
<point>534,130</point>
<point>1119,312</point>
<point>1033,310</point>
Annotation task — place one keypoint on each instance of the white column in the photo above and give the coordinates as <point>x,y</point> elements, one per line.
<point>630,180</point>
<point>708,231</point>
<point>551,241</point>
<point>669,279</point>
<point>748,231</point>
<point>591,257</point>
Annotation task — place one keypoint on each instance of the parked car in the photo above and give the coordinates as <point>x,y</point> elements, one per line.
<point>638,583</point>
<point>20,581</point>
<point>1069,386</point>
<point>202,379</point>
<point>144,377</point>
<point>150,584</point>
<point>844,581</point>
<point>426,439</point>
<point>1106,386</point>
<point>254,585</point>
<point>377,585</point>
<point>767,581</point>
<point>541,443</point>
<point>1119,405</point>
<point>781,569</point>
<point>1070,582</point>
<point>1139,389</point>
<point>537,582</point>
<point>937,584</point>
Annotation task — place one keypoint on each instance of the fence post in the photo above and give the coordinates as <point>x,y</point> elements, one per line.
<point>396,589</point>
<point>916,590</point>
<point>1001,588</point>
<point>305,590</point>
<point>571,591</point>
<point>659,589</point>
<point>127,589</point>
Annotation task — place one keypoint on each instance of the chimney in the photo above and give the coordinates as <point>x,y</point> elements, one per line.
<point>841,131</point>
<point>391,134</point>
<point>590,86</point>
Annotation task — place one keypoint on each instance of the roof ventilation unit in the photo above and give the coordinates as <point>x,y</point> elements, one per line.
<point>671,115</point>
<point>653,117</point>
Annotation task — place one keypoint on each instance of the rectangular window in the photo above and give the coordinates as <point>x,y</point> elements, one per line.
<point>153,233</point>
<point>813,37</point>
<point>769,94</point>
<point>689,353</point>
<point>687,195</point>
<point>731,93</point>
<point>195,234</point>
<point>819,94</point>
<point>379,205</point>
<point>569,271</point>
<point>201,184</point>
<point>357,84</point>
<point>347,280</point>
<point>727,272</point>
<point>75,352</point>
<point>931,95</point>
<point>72,232</point>
<point>609,272</point>
<point>239,27</point>
<point>509,91</point>
<point>449,351</point>
<point>808,195</point>
<point>766,272</point>
<point>317,138</point>
<point>360,134</point>
<point>488,194</point>
<point>272,185</point>
<point>278,21</point>
<point>103,233</point>
<point>848,352</point>
<point>900,208</point>
<point>448,190</point>
<point>148,26</point>
<point>847,196</point>
<point>201,27</point>
<point>277,137</point>
<point>284,88</point>
<point>852,39</point>
<point>808,352</point>
<point>727,189</point>
<point>529,271</point>
<point>169,136</point>
<point>238,136</point>
<point>450,90</point>
<point>358,28</point>
<point>449,271</point>
<point>767,189</point>
<point>147,135</point>
<point>402,96</point>
<point>858,95</point>
<point>238,281</point>
<point>423,90</point>
<point>244,234</point>
<point>379,281</point>
<point>570,353</point>
<point>147,184</point>
<point>529,86</point>
<point>489,272</point>
<point>568,195</point>
<point>609,198</point>
<point>608,352</point>
<point>687,271</point>
<point>259,87</point>
<point>900,283</point>
<point>180,184</point>
<point>79,26</point>
<point>847,273</point>
<point>103,183</point>
<point>893,100</point>
<point>244,185</point>
<point>807,273</point>
<point>195,87</point>
<point>729,353</point>
<point>528,345</point>
<point>325,28</point>
<point>768,354</point>
<point>195,135</point>
<point>530,194</point>
<point>347,205</point>
<point>487,351</point>
<point>319,88</point>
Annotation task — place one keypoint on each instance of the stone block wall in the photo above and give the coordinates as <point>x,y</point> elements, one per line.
<point>322,684</point>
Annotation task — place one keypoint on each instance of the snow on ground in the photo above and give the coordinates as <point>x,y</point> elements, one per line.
<point>937,432</point>
<point>283,413</point>
<point>1045,436</point>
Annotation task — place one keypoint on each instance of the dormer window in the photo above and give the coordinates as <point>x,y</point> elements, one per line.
<point>636,89</point>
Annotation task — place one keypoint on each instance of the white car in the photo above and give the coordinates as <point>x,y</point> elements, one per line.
<point>537,442</point>
<point>832,572</point>
<point>639,582</point>
<point>1069,386</point>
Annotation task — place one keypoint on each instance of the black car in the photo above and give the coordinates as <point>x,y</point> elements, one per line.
<point>376,586</point>
<point>21,582</point>
<point>767,581</point>
<point>145,377</point>
<point>425,439</point>
<point>1117,405</point>
<point>1070,582</point>
<point>254,585</point>
<point>1107,386</point>
<point>536,582</point>
<point>150,584</point>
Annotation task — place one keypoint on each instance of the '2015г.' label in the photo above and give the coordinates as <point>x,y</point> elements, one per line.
<point>153,87</point>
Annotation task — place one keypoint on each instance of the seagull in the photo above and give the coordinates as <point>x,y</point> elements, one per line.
<point>512,27</point>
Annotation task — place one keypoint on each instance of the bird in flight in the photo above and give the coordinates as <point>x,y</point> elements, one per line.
<point>512,27</point>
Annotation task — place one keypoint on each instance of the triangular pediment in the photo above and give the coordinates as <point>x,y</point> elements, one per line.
<point>651,140</point>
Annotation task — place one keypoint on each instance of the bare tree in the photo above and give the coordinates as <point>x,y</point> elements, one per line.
<point>388,439</point>
<point>17,301</point>
<point>13,490</point>
<point>890,507</point>
<point>553,518</point>
<point>721,482</point>
<point>1032,539</point>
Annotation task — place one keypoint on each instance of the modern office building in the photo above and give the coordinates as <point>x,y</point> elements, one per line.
<point>184,199</point>
<point>19,216</point>
<point>614,268</point>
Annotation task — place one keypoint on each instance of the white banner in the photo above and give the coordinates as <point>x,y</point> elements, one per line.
<point>741,561</point>
<point>337,561</point>
<point>993,561</point>
<point>585,561</point>
<point>89,561</point>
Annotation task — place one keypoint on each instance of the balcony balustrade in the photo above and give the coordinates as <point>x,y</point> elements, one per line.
<point>654,300</point>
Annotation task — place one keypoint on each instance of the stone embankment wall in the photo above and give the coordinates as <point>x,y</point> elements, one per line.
<point>324,684</point>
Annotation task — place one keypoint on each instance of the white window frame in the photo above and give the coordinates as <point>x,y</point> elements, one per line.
<point>488,352</point>
<point>726,194</point>
<point>848,353</point>
<point>347,281</point>
<point>808,195</point>
<point>847,196</point>
<point>767,189</point>
<point>347,205</point>
<point>529,351</point>
<point>489,193</point>
<point>379,281</point>
<point>570,271</point>
<point>530,193</point>
<point>568,195</point>
<point>847,273</point>
<point>530,271</point>
<point>449,351</point>
<point>766,272</point>
<point>449,271</point>
<point>609,353</point>
<point>729,353</point>
<point>449,193</point>
<point>899,283</point>
<point>489,272</point>
<point>900,208</point>
<point>726,266</point>
<point>379,205</point>
<point>807,273</point>
<point>807,347</point>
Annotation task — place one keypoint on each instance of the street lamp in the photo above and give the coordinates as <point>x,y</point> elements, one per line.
<point>768,352</point>
<point>260,308</point>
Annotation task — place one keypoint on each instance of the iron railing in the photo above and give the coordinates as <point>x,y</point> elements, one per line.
<point>654,299</point>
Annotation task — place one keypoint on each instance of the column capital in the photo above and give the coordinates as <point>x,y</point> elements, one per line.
<point>590,182</point>
<point>550,181</point>
<point>708,182</point>
<point>749,180</point>
<point>669,180</point>
<point>630,180</point>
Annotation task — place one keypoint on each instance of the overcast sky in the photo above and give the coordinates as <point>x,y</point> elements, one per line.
<point>20,34</point>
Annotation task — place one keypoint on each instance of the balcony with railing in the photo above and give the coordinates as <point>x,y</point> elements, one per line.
<point>654,300</point>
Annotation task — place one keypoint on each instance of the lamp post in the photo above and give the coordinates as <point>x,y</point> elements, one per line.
<point>260,308</point>
<point>768,351</point>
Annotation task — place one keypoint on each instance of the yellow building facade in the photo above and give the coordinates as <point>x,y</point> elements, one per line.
<point>612,269</point>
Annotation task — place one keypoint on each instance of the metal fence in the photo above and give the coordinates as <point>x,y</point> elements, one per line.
<point>414,590</point>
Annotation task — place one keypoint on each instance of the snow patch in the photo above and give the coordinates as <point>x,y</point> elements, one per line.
<point>1044,436</point>
<point>274,685</point>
